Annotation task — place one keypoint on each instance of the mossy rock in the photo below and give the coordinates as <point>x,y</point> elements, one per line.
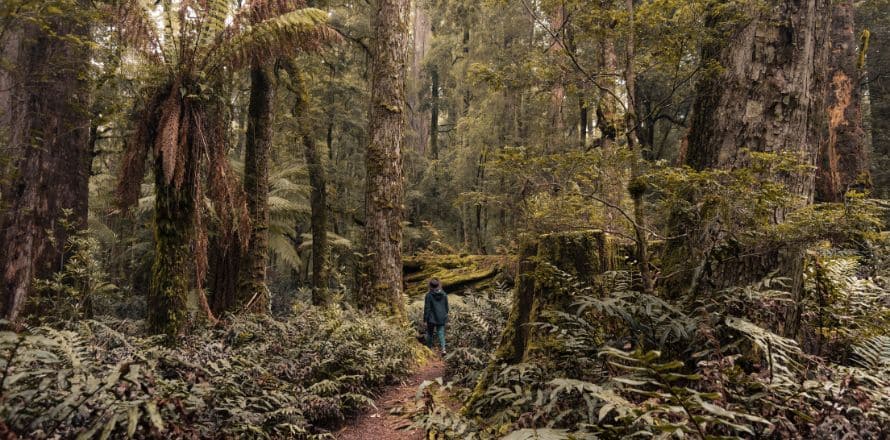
<point>455,272</point>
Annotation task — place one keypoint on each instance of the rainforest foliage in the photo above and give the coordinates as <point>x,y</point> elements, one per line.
<point>653,218</point>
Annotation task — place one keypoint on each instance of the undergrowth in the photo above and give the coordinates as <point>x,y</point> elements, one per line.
<point>633,365</point>
<point>257,377</point>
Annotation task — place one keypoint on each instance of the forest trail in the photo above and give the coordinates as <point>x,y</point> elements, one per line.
<point>381,423</point>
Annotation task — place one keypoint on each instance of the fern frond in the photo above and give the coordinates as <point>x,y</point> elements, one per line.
<point>873,353</point>
<point>284,251</point>
<point>269,39</point>
<point>216,12</point>
<point>279,206</point>
<point>171,38</point>
<point>782,354</point>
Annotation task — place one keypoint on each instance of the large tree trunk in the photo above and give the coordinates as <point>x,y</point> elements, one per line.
<point>385,192</point>
<point>256,185</point>
<point>878,84</point>
<point>769,93</point>
<point>768,96</point>
<point>47,109</point>
<point>842,157</point>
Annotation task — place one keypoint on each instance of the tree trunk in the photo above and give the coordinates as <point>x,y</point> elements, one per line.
<point>434,114</point>
<point>256,185</point>
<point>583,121</point>
<point>173,259</point>
<point>636,186</point>
<point>539,288</point>
<point>608,108</point>
<point>318,192</point>
<point>842,162</point>
<point>878,41</point>
<point>767,97</point>
<point>47,105</point>
<point>385,192</point>
<point>422,33</point>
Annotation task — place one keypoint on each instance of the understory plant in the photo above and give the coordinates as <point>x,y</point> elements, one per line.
<point>257,377</point>
<point>636,365</point>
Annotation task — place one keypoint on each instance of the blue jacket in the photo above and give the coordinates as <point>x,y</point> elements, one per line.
<point>435,307</point>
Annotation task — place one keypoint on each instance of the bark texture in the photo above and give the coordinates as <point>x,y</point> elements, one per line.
<point>385,192</point>
<point>843,161</point>
<point>46,100</point>
<point>256,185</point>
<point>421,42</point>
<point>878,67</point>
<point>173,261</point>
<point>768,96</point>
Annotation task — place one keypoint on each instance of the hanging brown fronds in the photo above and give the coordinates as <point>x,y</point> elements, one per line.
<point>167,142</point>
<point>258,11</point>
<point>136,152</point>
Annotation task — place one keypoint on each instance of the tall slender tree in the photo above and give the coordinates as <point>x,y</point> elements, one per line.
<point>318,185</point>
<point>46,103</point>
<point>258,144</point>
<point>384,194</point>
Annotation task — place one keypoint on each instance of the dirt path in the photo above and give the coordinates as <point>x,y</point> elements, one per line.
<point>380,424</point>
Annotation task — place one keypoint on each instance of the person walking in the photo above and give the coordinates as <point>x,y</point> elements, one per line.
<point>435,314</point>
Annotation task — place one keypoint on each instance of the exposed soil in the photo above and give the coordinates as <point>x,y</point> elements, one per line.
<point>381,423</point>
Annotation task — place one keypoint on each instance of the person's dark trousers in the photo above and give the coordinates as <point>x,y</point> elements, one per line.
<point>432,329</point>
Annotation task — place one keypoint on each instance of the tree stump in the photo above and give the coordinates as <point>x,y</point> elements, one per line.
<point>540,287</point>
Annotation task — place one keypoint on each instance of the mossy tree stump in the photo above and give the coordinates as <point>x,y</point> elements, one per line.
<point>540,287</point>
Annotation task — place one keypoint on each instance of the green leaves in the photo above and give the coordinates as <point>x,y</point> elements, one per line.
<point>258,378</point>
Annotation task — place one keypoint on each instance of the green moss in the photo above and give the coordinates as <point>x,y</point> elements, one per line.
<point>584,254</point>
<point>456,272</point>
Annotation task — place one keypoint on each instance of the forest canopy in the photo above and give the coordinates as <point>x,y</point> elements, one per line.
<point>444,219</point>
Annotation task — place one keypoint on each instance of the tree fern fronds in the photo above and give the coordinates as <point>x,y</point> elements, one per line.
<point>171,38</point>
<point>284,251</point>
<point>269,39</point>
<point>283,186</point>
<point>282,206</point>
<point>256,11</point>
<point>290,172</point>
<point>216,12</point>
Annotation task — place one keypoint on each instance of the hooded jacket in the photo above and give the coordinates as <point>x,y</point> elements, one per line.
<point>435,307</point>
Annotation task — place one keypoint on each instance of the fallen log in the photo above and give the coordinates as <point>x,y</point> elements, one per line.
<point>455,272</point>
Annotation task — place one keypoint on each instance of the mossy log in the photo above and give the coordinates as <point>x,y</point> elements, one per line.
<point>455,272</point>
<point>540,287</point>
